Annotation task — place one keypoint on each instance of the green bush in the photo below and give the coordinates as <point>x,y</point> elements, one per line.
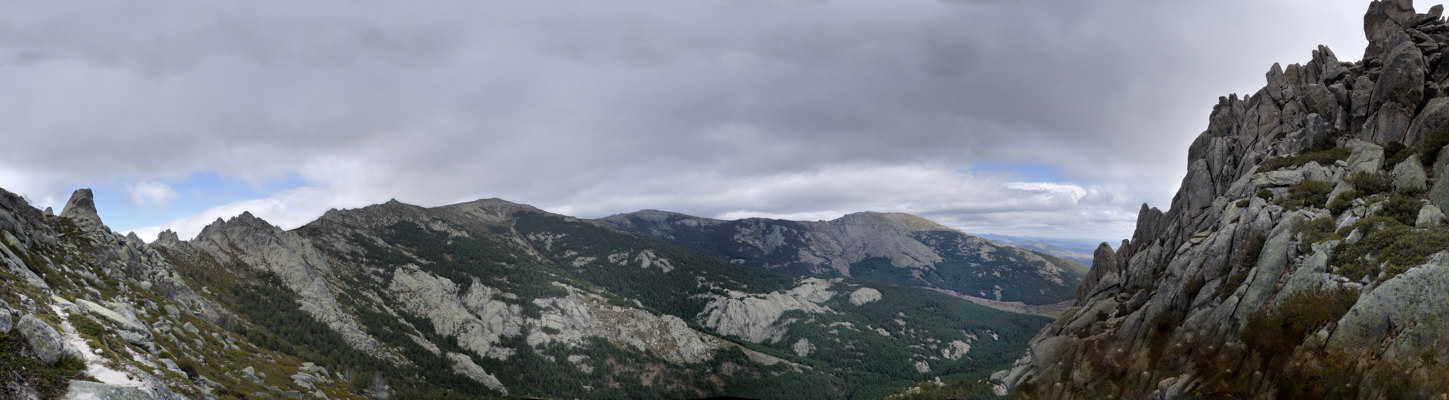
<point>1314,231</point>
<point>1307,194</point>
<point>1342,201</point>
<point>1396,153</point>
<point>1265,194</point>
<point>1412,249</point>
<point>1402,208</point>
<point>1323,156</point>
<point>1387,243</point>
<point>1275,332</point>
<point>1371,183</point>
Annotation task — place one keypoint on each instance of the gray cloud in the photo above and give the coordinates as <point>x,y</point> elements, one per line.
<point>603,107</point>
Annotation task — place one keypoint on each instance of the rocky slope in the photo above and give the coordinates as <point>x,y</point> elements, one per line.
<point>1304,255</point>
<point>887,247</point>
<point>474,300</point>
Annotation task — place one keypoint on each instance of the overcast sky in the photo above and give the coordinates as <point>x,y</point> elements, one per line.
<point>1043,118</point>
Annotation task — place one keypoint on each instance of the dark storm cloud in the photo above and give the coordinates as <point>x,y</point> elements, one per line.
<point>600,107</point>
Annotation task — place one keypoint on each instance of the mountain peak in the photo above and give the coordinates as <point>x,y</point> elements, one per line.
<point>906,221</point>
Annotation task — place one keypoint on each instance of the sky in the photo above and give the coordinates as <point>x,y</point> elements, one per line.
<point>1038,118</point>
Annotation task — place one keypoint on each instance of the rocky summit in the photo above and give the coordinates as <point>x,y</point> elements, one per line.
<point>485,299</point>
<point>1304,254</point>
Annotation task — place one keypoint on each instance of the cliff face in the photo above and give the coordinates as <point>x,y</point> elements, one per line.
<point>1303,255</point>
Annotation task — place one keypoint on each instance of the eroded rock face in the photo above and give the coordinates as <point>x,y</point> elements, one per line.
<point>756,317</point>
<point>480,321</point>
<point>1178,311</point>
<point>471,314</point>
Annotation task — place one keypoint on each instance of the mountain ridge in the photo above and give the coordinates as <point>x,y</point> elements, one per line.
<point>891,247</point>
<point>484,298</point>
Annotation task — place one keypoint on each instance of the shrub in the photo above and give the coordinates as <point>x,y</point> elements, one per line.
<point>1314,231</point>
<point>1275,332</point>
<point>1307,194</point>
<point>1412,249</point>
<point>1371,183</point>
<point>1265,194</point>
<point>1342,201</point>
<point>1388,243</point>
<point>1396,153</point>
<point>1322,153</point>
<point>1402,208</point>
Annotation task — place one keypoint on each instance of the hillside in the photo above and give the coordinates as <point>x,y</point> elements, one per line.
<point>885,247</point>
<point>1304,254</point>
<point>482,299</point>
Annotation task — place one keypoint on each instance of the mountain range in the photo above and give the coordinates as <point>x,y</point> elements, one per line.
<point>490,299</point>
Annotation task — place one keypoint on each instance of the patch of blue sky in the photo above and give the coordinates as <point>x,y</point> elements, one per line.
<point>1028,172</point>
<point>197,192</point>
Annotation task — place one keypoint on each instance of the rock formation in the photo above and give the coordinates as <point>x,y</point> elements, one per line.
<point>1302,256</point>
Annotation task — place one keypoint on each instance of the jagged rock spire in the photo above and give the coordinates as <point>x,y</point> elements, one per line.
<point>81,208</point>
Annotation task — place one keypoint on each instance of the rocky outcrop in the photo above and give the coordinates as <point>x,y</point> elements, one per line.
<point>464,365</point>
<point>472,314</point>
<point>1299,249</point>
<point>480,322</point>
<point>81,208</point>
<point>863,296</point>
<point>757,317</point>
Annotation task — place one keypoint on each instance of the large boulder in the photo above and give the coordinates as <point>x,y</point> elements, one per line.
<point>1407,311</point>
<point>7,320</point>
<point>1365,157</point>
<point>1429,217</point>
<point>85,390</point>
<point>1409,175</point>
<point>130,328</point>
<point>47,344</point>
<point>1439,194</point>
<point>1434,118</point>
